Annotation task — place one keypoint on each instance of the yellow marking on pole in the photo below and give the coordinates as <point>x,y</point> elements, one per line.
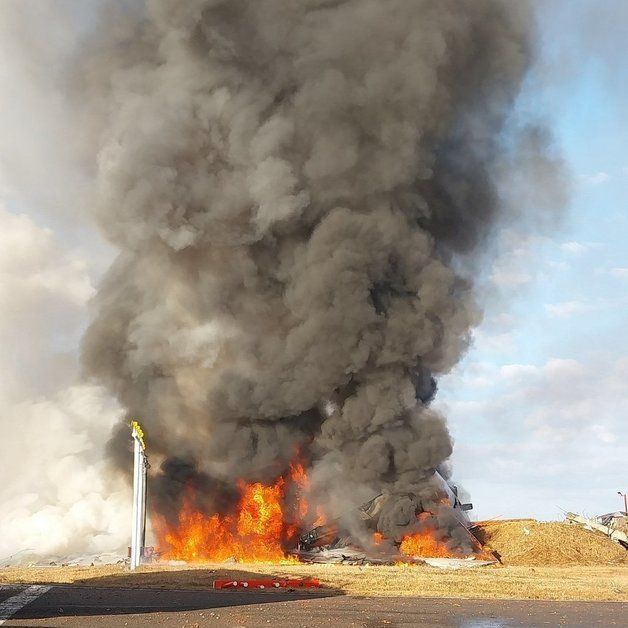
<point>137,428</point>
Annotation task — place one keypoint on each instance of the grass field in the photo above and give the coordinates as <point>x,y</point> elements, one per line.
<point>534,583</point>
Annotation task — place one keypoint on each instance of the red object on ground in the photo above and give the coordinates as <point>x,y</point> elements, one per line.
<point>268,583</point>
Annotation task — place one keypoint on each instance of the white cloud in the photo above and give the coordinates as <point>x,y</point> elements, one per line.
<point>510,277</point>
<point>503,321</point>
<point>30,255</point>
<point>597,178</point>
<point>573,247</point>
<point>559,266</point>
<point>603,433</point>
<point>567,309</point>
<point>515,258</point>
<point>622,273</point>
<point>493,343</point>
<point>561,367</point>
<point>43,294</point>
<point>474,374</point>
<point>578,248</point>
<point>547,425</point>
<point>510,371</point>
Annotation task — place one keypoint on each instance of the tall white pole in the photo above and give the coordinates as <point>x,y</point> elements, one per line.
<point>139,495</point>
<point>143,499</point>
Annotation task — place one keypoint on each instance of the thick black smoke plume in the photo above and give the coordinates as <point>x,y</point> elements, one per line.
<point>290,185</point>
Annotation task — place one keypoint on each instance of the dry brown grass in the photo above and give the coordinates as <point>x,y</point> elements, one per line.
<point>535,583</point>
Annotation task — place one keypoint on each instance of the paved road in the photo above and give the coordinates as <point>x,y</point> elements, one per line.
<point>80,607</point>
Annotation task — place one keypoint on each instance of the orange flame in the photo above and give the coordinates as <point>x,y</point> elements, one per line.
<point>298,475</point>
<point>254,533</point>
<point>260,513</point>
<point>266,519</point>
<point>321,517</point>
<point>425,545</point>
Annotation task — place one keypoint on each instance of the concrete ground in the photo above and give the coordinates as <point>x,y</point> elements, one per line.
<point>73,606</point>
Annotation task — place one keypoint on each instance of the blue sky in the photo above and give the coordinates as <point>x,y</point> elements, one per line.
<point>538,407</point>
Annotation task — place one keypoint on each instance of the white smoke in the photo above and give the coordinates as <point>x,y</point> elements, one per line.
<point>57,495</point>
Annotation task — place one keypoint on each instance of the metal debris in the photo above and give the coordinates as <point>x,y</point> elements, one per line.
<point>591,524</point>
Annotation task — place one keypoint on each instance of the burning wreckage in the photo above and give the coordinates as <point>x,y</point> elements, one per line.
<point>394,525</point>
<point>268,525</point>
<point>299,193</point>
<point>332,542</point>
<point>268,522</point>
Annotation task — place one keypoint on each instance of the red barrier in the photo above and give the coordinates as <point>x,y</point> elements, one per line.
<point>268,583</point>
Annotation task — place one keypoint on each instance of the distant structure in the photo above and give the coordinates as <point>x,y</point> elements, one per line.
<point>140,466</point>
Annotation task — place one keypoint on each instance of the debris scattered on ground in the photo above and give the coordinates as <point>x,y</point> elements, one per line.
<point>528,542</point>
<point>593,524</point>
<point>268,583</point>
<point>457,563</point>
<point>615,520</point>
<point>346,555</point>
<point>28,558</point>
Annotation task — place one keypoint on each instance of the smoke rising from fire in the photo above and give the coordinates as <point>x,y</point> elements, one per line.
<point>291,187</point>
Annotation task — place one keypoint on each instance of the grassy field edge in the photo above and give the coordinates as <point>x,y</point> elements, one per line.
<point>608,583</point>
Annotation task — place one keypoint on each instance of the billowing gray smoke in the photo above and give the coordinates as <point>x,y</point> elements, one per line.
<point>291,186</point>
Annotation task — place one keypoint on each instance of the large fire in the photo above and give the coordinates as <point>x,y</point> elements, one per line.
<point>267,520</point>
<point>258,531</point>
<point>426,543</point>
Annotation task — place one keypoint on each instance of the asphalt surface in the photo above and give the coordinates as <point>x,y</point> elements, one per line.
<point>78,607</point>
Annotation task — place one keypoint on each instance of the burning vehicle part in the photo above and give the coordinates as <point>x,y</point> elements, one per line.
<point>390,517</point>
<point>266,526</point>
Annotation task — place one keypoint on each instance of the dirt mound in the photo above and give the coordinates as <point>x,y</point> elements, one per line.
<point>533,543</point>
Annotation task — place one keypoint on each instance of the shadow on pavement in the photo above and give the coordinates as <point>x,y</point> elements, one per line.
<point>158,592</point>
<point>197,578</point>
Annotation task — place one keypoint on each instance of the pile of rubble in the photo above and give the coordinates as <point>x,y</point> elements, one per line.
<point>613,524</point>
